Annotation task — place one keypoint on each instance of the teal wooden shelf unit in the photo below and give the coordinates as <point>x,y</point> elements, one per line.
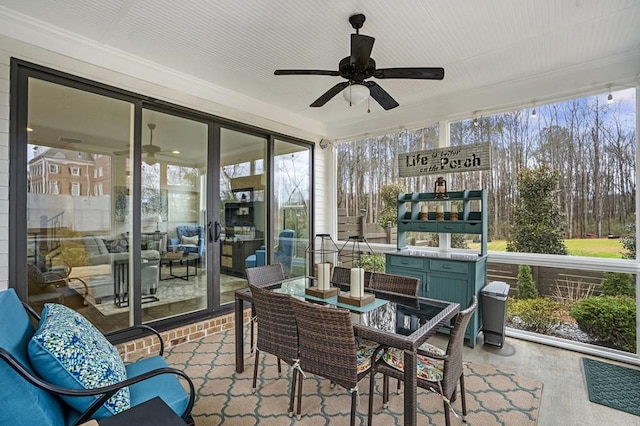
<point>444,275</point>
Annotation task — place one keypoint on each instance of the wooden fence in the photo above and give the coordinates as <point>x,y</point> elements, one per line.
<point>550,281</point>
<point>349,226</point>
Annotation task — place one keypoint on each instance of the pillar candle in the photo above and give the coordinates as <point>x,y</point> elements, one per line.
<point>439,208</point>
<point>326,275</point>
<point>453,208</point>
<point>320,275</point>
<point>424,209</point>
<point>355,282</point>
<point>361,282</point>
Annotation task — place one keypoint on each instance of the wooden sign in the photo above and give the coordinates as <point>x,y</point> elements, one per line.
<point>463,158</point>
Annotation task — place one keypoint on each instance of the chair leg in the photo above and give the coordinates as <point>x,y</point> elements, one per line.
<point>299,415</point>
<point>464,399</point>
<point>292,394</point>
<point>372,385</point>
<point>385,391</point>
<point>279,368</point>
<point>399,387</point>
<point>252,321</point>
<point>354,401</point>
<point>255,371</point>
<point>447,417</point>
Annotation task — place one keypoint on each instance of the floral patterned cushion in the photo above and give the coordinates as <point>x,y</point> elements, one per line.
<point>69,351</point>
<point>366,348</point>
<point>427,368</point>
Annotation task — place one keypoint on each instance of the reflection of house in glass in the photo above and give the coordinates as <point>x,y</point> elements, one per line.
<point>63,172</point>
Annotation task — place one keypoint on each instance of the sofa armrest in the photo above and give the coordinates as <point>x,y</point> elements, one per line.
<point>142,328</point>
<point>104,392</point>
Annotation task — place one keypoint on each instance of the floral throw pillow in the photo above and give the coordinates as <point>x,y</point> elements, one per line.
<point>69,351</point>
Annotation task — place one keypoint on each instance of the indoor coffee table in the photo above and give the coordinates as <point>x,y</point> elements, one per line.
<point>189,258</point>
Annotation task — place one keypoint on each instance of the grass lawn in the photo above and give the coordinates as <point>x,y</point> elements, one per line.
<point>593,247</point>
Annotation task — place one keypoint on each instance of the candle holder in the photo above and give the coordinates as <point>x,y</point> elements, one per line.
<point>323,270</point>
<point>453,213</point>
<point>440,212</point>
<point>356,296</point>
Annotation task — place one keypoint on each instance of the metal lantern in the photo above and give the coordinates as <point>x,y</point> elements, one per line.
<point>440,188</point>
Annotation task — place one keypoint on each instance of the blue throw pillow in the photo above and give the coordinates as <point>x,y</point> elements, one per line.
<point>69,351</point>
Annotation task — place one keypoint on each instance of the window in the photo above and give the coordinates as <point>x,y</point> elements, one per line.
<point>75,171</point>
<point>75,189</point>
<point>54,168</point>
<point>100,171</point>
<point>53,187</point>
<point>99,190</point>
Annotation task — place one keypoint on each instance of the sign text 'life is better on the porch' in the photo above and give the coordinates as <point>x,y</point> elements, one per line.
<point>463,158</point>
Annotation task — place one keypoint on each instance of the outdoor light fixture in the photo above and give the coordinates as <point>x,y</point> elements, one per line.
<point>355,94</point>
<point>475,120</point>
<point>610,97</point>
<point>533,113</point>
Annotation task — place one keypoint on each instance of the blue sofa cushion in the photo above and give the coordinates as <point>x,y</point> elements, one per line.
<point>17,396</point>
<point>69,351</point>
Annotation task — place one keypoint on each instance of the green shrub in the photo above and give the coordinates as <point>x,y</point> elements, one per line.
<point>618,284</point>
<point>526,287</point>
<point>371,262</point>
<point>609,320</point>
<point>539,315</point>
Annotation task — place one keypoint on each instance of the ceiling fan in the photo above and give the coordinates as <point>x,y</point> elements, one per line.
<point>150,150</point>
<point>358,67</point>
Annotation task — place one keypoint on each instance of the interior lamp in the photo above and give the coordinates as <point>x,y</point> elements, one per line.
<point>356,93</point>
<point>158,219</point>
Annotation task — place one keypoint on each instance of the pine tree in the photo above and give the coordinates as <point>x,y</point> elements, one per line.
<point>526,287</point>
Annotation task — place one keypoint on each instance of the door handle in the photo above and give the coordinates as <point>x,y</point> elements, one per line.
<point>218,232</point>
<point>209,232</point>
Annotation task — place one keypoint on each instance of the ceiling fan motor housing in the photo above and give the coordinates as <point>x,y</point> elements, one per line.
<point>354,73</point>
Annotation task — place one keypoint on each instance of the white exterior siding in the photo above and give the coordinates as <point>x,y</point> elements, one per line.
<point>4,169</point>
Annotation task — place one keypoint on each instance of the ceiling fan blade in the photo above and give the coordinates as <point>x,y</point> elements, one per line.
<point>381,96</point>
<point>415,73</point>
<point>306,72</point>
<point>361,47</point>
<point>326,96</point>
<point>123,152</point>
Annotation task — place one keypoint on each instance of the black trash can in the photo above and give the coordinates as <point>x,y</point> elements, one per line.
<point>494,312</point>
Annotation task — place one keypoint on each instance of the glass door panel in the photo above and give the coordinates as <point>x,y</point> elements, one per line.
<point>173,215</point>
<point>292,198</point>
<point>78,194</point>
<point>243,189</point>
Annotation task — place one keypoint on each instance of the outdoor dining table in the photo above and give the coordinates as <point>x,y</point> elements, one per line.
<point>396,320</point>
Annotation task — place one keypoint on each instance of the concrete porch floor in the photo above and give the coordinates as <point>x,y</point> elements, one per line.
<point>565,399</point>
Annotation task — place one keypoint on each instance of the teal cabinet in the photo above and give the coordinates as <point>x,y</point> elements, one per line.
<point>455,280</point>
<point>447,276</point>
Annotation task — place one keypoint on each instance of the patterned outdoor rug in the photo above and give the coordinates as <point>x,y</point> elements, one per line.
<point>613,385</point>
<point>494,397</point>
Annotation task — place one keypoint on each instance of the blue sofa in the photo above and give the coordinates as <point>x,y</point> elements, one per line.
<point>259,258</point>
<point>26,398</point>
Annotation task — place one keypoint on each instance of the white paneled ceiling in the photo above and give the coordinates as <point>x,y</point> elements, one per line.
<point>482,44</point>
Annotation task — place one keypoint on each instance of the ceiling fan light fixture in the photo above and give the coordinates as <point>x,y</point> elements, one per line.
<point>356,93</point>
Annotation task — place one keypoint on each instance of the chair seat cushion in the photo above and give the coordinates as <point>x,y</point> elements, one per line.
<point>427,368</point>
<point>67,350</point>
<point>366,348</point>
<point>166,386</point>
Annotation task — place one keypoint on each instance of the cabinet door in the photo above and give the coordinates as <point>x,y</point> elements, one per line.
<point>449,287</point>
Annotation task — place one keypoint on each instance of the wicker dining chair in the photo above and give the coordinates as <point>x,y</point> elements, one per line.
<point>438,370</point>
<point>395,283</point>
<point>328,348</point>
<point>278,334</point>
<point>262,276</point>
